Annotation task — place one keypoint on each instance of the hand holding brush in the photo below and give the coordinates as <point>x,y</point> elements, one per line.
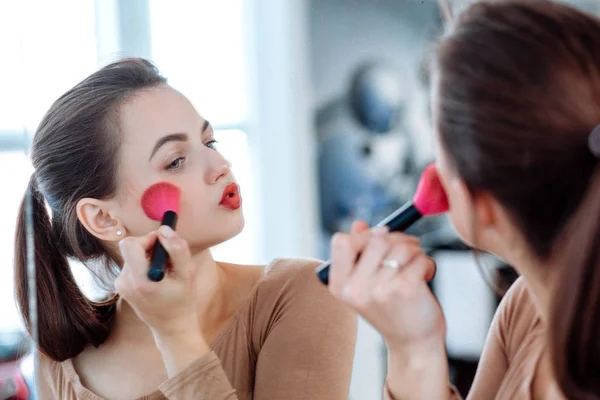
<point>171,308</point>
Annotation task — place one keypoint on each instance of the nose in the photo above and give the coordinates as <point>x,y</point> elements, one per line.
<point>218,168</point>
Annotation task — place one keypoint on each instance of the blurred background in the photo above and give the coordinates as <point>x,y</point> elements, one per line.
<point>320,105</point>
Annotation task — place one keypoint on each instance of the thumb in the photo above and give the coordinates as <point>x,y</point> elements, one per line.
<point>359,226</point>
<point>176,246</point>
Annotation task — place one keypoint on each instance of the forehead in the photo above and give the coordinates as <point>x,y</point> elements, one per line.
<point>155,112</point>
<point>144,118</point>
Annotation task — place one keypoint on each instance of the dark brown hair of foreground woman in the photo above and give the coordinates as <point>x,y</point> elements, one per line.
<point>519,94</point>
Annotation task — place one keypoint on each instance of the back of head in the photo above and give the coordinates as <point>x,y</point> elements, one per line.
<point>518,93</point>
<point>74,155</point>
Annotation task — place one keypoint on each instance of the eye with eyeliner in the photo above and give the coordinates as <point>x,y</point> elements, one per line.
<point>175,163</point>
<point>212,144</point>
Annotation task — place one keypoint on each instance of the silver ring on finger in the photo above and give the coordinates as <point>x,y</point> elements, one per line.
<point>391,264</point>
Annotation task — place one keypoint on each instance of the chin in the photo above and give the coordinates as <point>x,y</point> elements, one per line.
<point>205,238</point>
<point>234,228</point>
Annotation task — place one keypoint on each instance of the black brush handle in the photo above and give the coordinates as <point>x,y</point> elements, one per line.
<point>160,257</point>
<point>399,220</point>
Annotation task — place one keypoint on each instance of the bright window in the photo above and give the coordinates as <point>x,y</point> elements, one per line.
<point>43,58</point>
<point>199,46</point>
<point>50,46</point>
<point>47,48</point>
<point>20,169</point>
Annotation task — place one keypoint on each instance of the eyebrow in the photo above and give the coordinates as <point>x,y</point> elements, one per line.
<point>205,126</point>
<point>174,137</point>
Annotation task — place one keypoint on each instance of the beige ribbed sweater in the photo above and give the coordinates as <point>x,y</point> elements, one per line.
<point>292,340</point>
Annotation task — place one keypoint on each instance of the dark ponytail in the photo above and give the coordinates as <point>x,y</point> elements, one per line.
<point>68,321</point>
<point>575,322</point>
<point>75,154</point>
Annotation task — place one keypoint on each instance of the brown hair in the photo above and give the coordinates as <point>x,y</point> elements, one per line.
<point>74,155</point>
<point>518,95</point>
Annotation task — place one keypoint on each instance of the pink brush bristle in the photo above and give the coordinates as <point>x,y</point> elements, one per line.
<point>430,197</point>
<point>160,198</point>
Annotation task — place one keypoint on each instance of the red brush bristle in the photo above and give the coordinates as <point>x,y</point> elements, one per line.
<point>160,198</point>
<point>430,197</point>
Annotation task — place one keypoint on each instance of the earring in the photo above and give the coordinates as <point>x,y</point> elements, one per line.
<point>119,233</point>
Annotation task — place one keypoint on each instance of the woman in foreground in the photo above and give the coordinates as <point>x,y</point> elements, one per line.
<point>516,103</point>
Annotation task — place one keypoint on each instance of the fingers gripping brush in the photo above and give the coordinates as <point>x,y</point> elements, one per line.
<point>161,203</point>
<point>429,199</point>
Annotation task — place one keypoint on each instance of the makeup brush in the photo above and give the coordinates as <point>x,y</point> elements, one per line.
<point>429,199</point>
<point>160,202</point>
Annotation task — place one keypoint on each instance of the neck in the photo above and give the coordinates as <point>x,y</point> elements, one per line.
<point>540,281</point>
<point>128,326</point>
<point>216,304</point>
<point>508,243</point>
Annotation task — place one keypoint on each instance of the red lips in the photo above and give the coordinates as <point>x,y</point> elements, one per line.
<point>231,198</point>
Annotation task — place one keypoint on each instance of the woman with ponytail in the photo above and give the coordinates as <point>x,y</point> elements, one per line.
<point>208,330</point>
<point>516,106</point>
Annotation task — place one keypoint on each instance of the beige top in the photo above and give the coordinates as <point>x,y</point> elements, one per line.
<point>515,344</point>
<point>513,348</point>
<point>291,340</point>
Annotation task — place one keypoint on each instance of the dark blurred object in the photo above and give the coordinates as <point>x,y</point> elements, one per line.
<point>366,159</point>
<point>377,97</point>
<point>14,345</point>
<point>349,188</point>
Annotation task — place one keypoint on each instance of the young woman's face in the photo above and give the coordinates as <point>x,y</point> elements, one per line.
<point>165,140</point>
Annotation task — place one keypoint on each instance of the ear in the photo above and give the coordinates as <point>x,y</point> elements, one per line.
<point>498,233</point>
<point>485,208</point>
<point>487,225</point>
<point>96,217</point>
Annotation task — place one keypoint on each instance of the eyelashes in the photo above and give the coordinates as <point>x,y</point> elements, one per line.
<point>212,144</point>
<point>177,163</point>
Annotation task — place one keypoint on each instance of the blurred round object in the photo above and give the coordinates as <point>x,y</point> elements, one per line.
<point>348,189</point>
<point>377,97</point>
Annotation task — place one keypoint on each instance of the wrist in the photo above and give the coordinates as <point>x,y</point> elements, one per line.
<point>176,339</point>
<point>179,351</point>
<point>418,374</point>
<point>176,329</point>
<point>417,362</point>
